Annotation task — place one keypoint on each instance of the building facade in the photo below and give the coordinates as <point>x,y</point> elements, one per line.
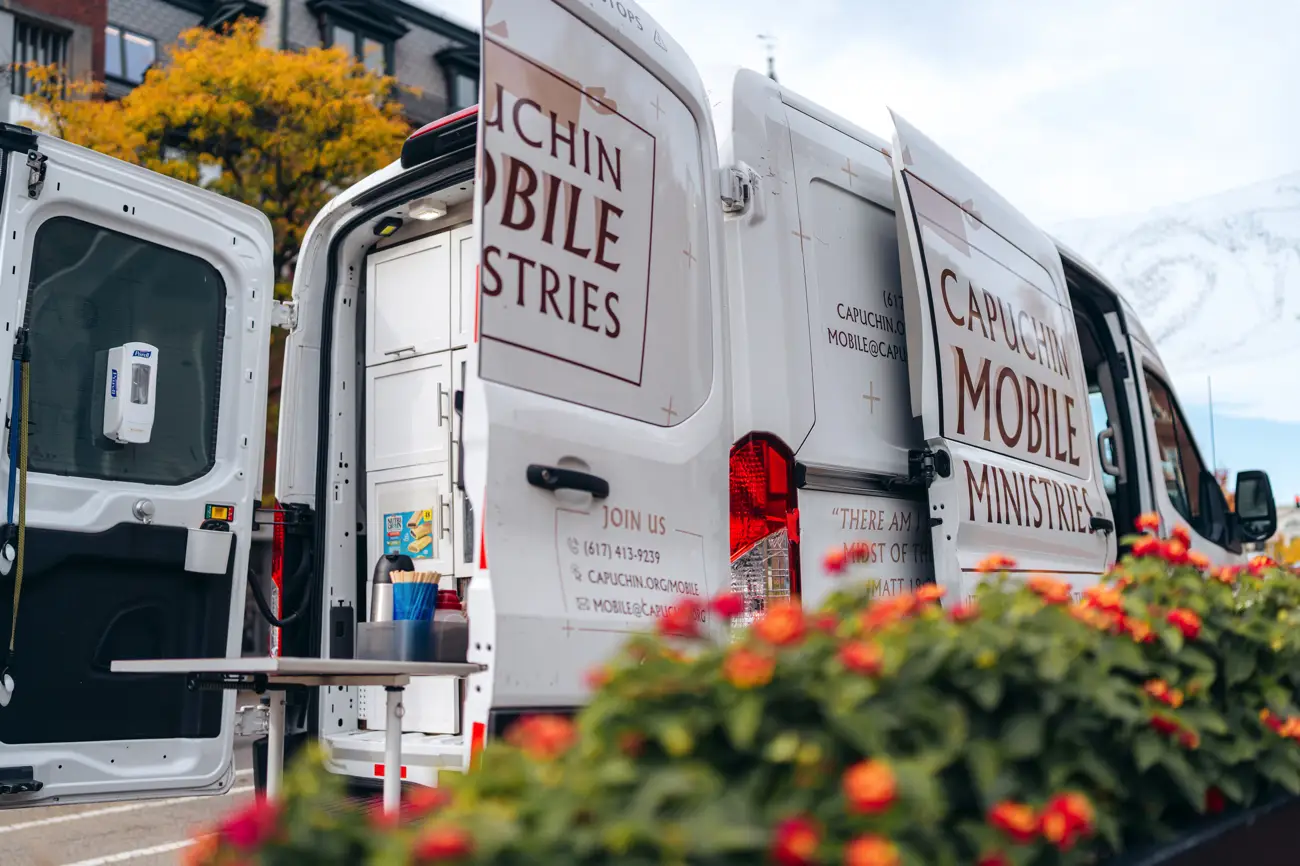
<point>69,33</point>
<point>427,54</point>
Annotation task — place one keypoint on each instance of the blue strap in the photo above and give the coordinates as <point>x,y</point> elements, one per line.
<point>14,410</point>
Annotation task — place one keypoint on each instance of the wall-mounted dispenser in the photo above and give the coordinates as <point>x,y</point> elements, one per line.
<point>130,384</point>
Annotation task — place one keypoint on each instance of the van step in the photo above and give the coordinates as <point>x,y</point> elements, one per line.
<point>19,780</point>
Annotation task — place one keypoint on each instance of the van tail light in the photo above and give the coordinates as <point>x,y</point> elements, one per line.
<point>277,575</point>
<point>764,524</point>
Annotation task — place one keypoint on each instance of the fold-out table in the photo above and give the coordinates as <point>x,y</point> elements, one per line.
<point>276,675</point>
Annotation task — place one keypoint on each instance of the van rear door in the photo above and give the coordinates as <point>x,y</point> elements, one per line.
<point>997,379</point>
<point>133,551</point>
<point>597,421</point>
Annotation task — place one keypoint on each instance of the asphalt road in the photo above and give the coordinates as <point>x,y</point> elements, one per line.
<point>145,833</point>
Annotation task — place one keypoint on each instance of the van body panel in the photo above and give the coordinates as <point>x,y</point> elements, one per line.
<point>997,379</point>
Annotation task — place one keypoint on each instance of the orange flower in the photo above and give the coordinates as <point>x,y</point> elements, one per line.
<point>1051,590</point>
<point>782,624</point>
<point>1174,552</point>
<point>1123,581</point>
<point>1104,598</point>
<point>1017,820</point>
<point>824,621</point>
<point>871,850</point>
<point>1067,818</point>
<point>1147,545</point>
<point>1149,522</point>
<point>1189,738</point>
<point>1086,615</point>
<point>599,677</point>
<point>964,612</point>
<point>930,592</point>
<point>869,787</point>
<point>1183,534</point>
<point>203,852</point>
<point>835,561</point>
<point>1138,629</point>
<point>442,844</point>
<point>543,737</point>
<point>746,669</point>
<point>886,611</point>
<point>1160,690</point>
<point>795,842</point>
<point>1226,574</point>
<point>1186,621</point>
<point>995,562</point>
<point>682,619</point>
<point>1260,564</point>
<point>1198,560</point>
<point>862,656</point>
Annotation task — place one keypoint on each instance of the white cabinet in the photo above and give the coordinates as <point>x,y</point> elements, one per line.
<point>410,512</point>
<point>465,537</point>
<point>409,412</point>
<point>464,285</point>
<point>408,299</point>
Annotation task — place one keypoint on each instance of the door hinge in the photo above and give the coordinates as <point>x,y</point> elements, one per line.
<point>737,188</point>
<point>35,173</point>
<point>924,465</point>
<point>252,721</point>
<point>284,315</point>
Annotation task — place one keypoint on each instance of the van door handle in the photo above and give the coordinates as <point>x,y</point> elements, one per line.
<point>1102,524</point>
<point>554,478</point>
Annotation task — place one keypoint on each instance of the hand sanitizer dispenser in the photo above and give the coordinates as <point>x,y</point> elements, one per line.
<point>129,387</point>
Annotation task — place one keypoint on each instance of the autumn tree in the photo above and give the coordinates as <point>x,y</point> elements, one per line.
<point>283,131</point>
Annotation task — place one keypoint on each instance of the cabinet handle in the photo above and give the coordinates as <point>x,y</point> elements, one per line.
<point>444,416</point>
<point>446,516</point>
<point>400,351</point>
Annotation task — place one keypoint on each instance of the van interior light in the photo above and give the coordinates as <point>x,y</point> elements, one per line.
<point>426,209</point>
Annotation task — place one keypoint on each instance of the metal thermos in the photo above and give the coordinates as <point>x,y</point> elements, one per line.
<point>381,585</point>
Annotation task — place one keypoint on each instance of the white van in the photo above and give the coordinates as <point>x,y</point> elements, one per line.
<point>607,369</point>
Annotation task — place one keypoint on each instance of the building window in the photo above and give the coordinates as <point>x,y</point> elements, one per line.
<point>1180,462</point>
<point>127,55</point>
<point>463,91</point>
<point>39,45</point>
<point>374,54</point>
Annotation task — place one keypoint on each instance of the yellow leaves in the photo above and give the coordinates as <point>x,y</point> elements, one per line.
<point>288,129</point>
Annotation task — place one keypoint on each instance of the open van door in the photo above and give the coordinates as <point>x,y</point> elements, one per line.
<point>996,377</point>
<point>597,421</point>
<point>142,467</point>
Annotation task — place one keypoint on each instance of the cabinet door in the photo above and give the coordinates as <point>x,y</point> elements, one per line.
<point>408,299</point>
<point>464,285</point>
<point>464,525</point>
<point>408,412</point>
<point>408,513</point>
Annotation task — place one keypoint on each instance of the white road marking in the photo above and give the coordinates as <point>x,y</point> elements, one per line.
<point>116,810</point>
<point>134,855</point>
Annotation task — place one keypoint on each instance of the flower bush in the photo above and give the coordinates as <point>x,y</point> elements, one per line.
<point>1024,727</point>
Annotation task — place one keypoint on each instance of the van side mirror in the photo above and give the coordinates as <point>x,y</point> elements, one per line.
<point>1256,510</point>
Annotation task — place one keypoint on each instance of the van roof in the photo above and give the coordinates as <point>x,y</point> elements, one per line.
<point>1078,262</point>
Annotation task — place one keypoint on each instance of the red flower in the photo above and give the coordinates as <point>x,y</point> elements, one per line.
<point>1214,801</point>
<point>1174,552</point>
<point>824,621</point>
<point>782,624</point>
<point>543,737</point>
<point>869,787</point>
<point>442,844</point>
<point>631,743</point>
<point>251,826</point>
<point>795,842</point>
<point>835,561</point>
<point>993,858</point>
<point>871,850</point>
<point>1226,574</point>
<point>682,619</point>
<point>1198,560</point>
<point>1160,690</point>
<point>599,677</point>
<point>1139,629</point>
<point>1186,621</point>
<point>1149,522</point>
<point>1147,545</point>
<point>1051,590</point>
<point>863,657</point>
<point>1183,534</point>
<point>1067,818</point>
<point>995,562</point>
<point>886,611</point>
<point>1104,598</point>
<point>964,612</point>
<point>1017,820</point>
<point>746,669</point>
<point>1164,724</point>
<point>1259,564</point>
<point>728,605</point>
<point>859,551</point>
<point>1189,738</point>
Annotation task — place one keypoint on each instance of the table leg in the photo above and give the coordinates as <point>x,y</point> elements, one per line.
<point>275,746</point>
<point>393,750</point>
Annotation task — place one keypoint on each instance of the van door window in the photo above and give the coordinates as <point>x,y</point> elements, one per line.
<point>1179,462</point>
<point>91,290</point>
<point>1101,421</point>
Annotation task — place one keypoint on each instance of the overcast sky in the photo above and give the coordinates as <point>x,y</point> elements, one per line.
<point>1070,108</point>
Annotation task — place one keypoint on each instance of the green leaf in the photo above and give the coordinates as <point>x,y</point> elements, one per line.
<point>783,749</point>
<point>1147,748</point>
<point>1197,659</point>
<point>1281,772</point>
<point>985,766</point>
<point>1191,785</point>
<point>1173,639</point>
<point>1054,662</point>
<point>1022,736</point>
<point>744,720</point>
<point>987,691</point>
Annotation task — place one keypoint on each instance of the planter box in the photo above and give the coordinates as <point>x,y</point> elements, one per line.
<point>1266,835</point>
